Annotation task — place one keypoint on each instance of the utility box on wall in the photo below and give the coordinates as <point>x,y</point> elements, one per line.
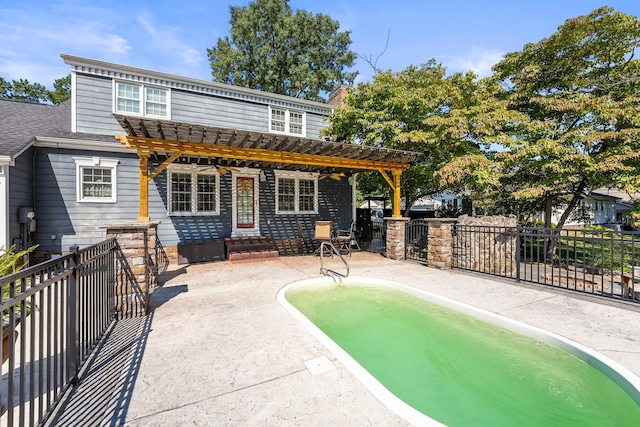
<point>27,216</point>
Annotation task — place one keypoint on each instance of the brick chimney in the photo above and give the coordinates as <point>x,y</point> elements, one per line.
<point>336,98</point>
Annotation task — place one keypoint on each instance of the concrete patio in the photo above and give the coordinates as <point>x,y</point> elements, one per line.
<point>218,348</point>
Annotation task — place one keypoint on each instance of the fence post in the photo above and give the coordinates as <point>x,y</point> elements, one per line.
<point>518,255</point>
<point>133,239</point>
<point>73,339</point>
<point>440,235</point>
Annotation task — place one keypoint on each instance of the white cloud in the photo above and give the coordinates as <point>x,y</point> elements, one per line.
<point>477,60</point>
<point>167,40</point>
<point>33,71</point>
<point>31,44</point>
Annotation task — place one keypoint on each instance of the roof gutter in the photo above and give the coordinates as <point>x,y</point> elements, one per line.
<point>81,144</point>
<point>7,161</point>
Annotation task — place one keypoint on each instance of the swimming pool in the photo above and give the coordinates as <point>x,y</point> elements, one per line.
<point>467,372</point>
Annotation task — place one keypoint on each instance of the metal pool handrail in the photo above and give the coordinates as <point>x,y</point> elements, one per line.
<point>333,249</point>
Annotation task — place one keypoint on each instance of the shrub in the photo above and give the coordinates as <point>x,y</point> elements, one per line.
<point>11,262</point>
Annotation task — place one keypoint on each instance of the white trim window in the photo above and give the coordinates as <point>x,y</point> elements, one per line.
<point>96,179</point>
<point>141,100</point>
<point>283,120</point>
<point>193,190</point>
<point>296,192</point>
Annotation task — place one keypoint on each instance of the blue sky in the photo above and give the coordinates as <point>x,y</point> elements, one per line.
<point>173,36</point>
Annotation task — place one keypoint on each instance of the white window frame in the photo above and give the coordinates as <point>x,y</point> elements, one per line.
<point>193,171</point>
<point>297,176</point>
<point>96,163</point>
<point>287,121</point>
<point>143,101</point>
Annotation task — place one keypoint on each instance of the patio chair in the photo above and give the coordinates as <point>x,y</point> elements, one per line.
<point>307,239</point>
<point>346,240</point>
<point>323,233</point>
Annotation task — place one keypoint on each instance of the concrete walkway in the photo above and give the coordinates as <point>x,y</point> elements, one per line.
<point>218,349</point>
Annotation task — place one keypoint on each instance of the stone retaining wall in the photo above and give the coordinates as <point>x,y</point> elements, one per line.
<point>489,246</point>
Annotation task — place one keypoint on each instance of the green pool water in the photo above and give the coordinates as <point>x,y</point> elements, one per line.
<point>459,370</point>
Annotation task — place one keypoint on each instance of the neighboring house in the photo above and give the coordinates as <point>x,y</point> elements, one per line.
<point>446,198</point>
<point>430,204</point>
<point>427,204</point>
<point>206,160</point>
<point>601,208</point>
<point>623,201</point>
<point>598,207</point>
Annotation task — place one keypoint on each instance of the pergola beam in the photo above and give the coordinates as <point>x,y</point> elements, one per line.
<point>240,146</point>
<point>253,154</point>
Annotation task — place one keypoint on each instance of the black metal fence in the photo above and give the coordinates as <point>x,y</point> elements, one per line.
<point>371,231</point>
<point>378,243</point>
<point>53,315</point>
<point>416,242</point>
<point>598,262</point>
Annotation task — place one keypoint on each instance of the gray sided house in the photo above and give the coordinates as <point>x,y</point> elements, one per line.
<point>206,160</point>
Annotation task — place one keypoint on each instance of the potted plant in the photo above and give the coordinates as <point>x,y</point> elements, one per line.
<point>11,262</point>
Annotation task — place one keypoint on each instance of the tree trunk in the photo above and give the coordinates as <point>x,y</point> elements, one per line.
<point>554,236</point>
<point>548,210</point>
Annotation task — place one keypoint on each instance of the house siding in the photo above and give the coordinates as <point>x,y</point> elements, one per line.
<point>175,229</point>
<point>20,193</point>
<point>315,123</point>
<point>218,112</point>
<point>94,110</point>
<point>73,222</point>
<point>79,223</point>
<point>63,221</point>
<point>334,204</point>
<point>94,106</point>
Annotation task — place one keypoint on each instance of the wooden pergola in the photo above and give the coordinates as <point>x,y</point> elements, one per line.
<point>169,141</point>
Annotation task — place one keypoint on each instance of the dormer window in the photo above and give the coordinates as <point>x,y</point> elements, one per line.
<point>141,100</point>
<point>286,121</point>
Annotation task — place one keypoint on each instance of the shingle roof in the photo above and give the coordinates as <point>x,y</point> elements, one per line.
<point>20,122</point>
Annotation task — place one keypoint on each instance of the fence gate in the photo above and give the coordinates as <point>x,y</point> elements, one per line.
<point>416,242</point>
<point>371,231</point>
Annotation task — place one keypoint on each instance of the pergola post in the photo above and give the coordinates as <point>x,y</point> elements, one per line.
<point>395,186</point>
<point>144,187</point>
<point>396,193</point>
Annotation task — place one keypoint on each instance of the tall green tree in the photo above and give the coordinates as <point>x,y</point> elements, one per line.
<point>575,123</point>
<point>23,90</point>
<point>419,109</point>
<point>271,48</point>
<point>61,90</point>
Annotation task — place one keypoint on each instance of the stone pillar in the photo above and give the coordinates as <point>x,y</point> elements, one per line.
<point>136,272</point>
<point>440,238</point>
<point>395,237</point>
